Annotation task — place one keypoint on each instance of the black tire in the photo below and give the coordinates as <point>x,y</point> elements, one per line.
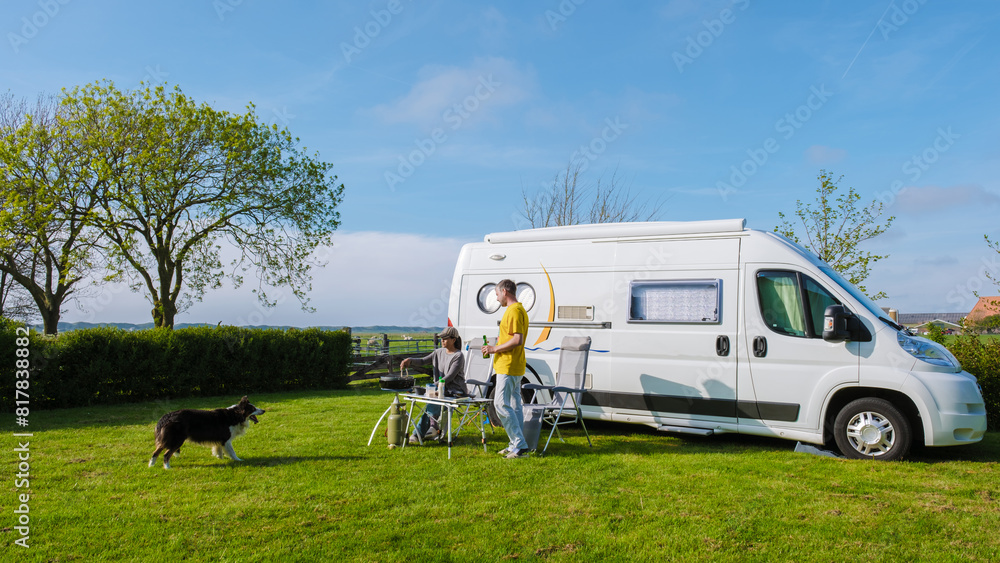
<point>872,428</point>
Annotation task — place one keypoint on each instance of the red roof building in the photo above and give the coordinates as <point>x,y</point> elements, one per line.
<point>986,307</point>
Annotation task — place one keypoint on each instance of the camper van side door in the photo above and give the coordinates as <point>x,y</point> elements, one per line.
<point>791,366</point>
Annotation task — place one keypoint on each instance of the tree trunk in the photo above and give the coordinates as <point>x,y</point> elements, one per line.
<point>50,319</point>
<point>164,312</point>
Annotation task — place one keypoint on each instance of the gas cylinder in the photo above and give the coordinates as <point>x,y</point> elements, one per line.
<point>395,430</point>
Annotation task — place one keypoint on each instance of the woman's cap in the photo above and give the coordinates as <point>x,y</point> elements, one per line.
<point>450,332</point>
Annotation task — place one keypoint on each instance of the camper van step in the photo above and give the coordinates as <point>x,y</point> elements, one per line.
<point>685,430</point>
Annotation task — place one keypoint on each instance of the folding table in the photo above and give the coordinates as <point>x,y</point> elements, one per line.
<point>450,405</point>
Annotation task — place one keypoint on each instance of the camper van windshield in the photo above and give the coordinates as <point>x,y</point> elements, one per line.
<point>855,292</point>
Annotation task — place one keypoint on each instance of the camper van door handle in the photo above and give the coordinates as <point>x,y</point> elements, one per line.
<point>760,346</point>
<point>722,345</point>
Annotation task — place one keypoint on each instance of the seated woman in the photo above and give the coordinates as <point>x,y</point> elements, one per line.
<point>448,363</point>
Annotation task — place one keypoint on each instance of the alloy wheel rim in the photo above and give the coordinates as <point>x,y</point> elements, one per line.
<point>871,434</point>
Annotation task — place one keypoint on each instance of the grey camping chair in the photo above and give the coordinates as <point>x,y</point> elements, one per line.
<point>478,380</point>
<point>564,404</point>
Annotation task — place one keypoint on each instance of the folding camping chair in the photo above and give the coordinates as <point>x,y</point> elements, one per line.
<point>573,354</point>
<point>478,380</point>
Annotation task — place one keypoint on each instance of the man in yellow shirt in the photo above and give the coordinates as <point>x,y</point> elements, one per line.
<point>509,364</point>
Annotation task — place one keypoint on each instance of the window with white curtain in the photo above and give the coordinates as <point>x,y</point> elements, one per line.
<point>781,294</point>
<point>675,301</point>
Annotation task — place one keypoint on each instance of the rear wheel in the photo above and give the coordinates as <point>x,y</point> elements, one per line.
<point>530,376</point>
<point>872,428</point>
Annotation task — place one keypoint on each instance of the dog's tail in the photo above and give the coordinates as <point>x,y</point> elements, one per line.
<point>160,443</point>
<point>158,433</point>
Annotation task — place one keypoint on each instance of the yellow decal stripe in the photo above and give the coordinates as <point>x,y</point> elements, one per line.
<point>552,310</point>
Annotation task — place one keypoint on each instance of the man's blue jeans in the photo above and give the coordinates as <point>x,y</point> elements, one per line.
<point>508,404</point>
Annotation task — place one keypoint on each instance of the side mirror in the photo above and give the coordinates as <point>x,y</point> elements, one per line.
<point>836,323</point>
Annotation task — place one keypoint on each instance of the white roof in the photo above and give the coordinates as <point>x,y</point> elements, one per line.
<point>619,230</point>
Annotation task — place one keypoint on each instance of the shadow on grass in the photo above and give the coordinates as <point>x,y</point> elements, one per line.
<point>988,450</point>
<point>684,443</point>
<point>292,460</point>
<point>271,461</point>
<point>148,412</point>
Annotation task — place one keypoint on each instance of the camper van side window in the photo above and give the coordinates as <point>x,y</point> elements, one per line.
<point>674,301</point>
<point>792,303</point>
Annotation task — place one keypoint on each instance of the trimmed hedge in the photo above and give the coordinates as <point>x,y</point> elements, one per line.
<point>110,365</point>
<point>982,359</point>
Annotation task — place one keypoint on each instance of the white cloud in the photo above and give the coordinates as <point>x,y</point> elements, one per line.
<point>922,281</point>
<point>450,95</point>
<point>370,278</point>
<point>821,155</point>
<point>937,198</point>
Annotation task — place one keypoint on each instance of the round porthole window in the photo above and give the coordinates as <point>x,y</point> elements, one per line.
<point>487,299</point>
<point>526,295</point>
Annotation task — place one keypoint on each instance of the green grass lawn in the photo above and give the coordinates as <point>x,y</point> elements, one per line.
<point>984,338</point>
<point>310,489</point>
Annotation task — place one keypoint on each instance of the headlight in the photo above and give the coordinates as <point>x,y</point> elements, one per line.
<point>927,350</point>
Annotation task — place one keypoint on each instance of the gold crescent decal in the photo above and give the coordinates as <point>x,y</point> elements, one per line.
<point>552,310</point>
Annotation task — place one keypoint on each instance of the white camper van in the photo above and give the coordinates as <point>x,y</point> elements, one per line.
<point>708,327</point>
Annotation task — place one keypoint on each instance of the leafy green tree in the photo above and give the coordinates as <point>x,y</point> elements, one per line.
<point>181,178</point>
<point>46,196</point>
<point>935,333</point>
<point>990,324</point>
<point>834,227</point>
<point>986,325</point>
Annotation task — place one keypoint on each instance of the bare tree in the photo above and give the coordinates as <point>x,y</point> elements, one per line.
<point>571,201</point>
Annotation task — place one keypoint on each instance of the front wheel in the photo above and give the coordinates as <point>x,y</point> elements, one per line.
<point>872,428</point>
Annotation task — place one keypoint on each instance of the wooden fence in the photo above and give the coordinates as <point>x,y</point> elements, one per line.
<point>380,355</point>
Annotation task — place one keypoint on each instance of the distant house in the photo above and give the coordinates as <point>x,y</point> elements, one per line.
<point>950,322</point>
<point>985,307</point>
<point>920,322</point>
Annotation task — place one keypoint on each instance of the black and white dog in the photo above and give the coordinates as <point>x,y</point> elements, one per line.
<point>217,428</point>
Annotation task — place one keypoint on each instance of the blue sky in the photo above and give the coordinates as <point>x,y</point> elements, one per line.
<point>437,115</point>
